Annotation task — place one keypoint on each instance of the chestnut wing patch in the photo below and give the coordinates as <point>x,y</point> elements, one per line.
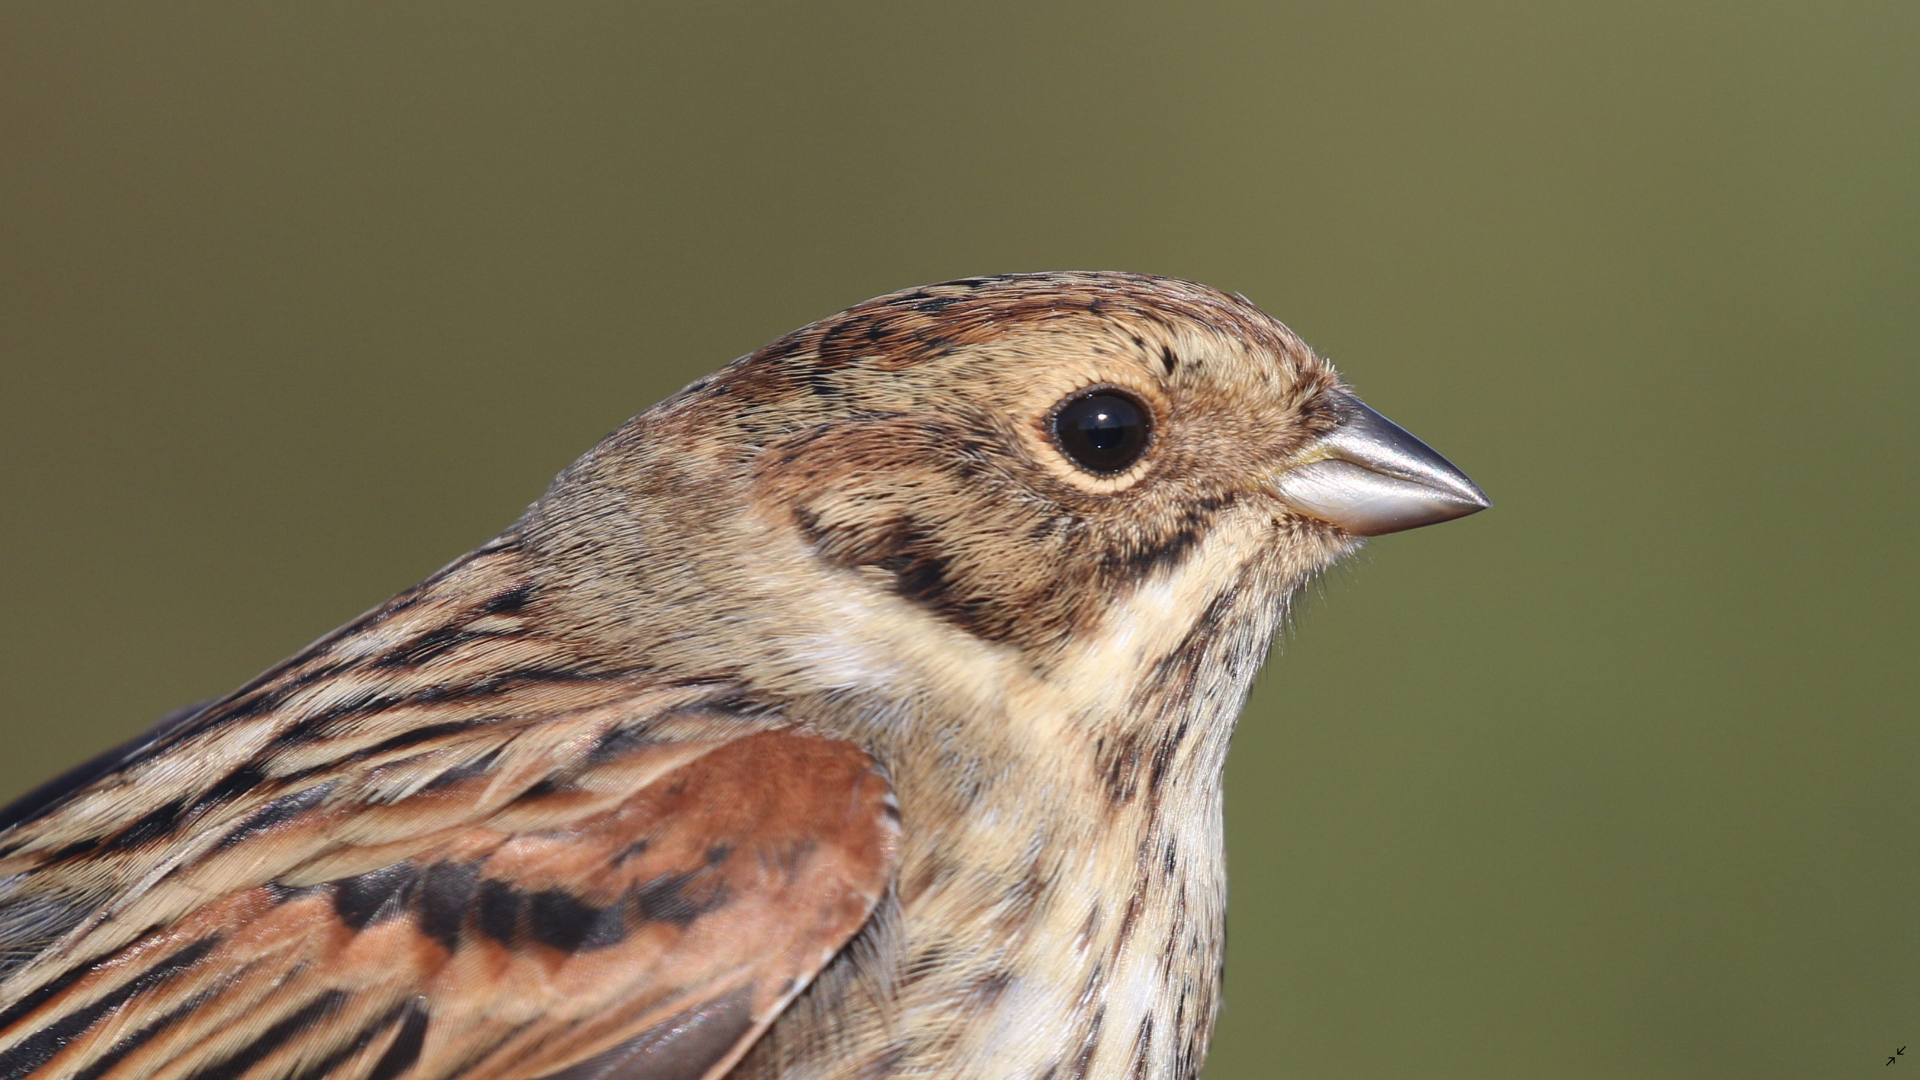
<point>560,936</point>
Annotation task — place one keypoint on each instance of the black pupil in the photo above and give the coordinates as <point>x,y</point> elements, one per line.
<point>1102,432</point>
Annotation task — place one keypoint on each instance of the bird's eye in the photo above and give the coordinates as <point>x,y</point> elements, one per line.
<point>1102,431</point>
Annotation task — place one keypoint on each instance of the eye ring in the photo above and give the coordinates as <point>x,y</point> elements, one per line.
<point>1103,430</point>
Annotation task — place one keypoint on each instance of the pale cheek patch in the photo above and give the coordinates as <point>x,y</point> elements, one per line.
<point>843,661</point>
<point>839,630</point>
<point>847,632</point>
<point>1102,668</point>
<point>900,646</point>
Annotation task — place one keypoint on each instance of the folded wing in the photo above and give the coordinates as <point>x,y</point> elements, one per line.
<point>575,901</point>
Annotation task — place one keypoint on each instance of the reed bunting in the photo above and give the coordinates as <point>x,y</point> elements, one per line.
<point>856,712</point>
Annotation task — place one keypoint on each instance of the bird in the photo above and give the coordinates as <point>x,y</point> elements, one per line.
<point>858,711</point>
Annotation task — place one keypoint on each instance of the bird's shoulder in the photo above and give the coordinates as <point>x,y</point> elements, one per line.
<point>447,836</point>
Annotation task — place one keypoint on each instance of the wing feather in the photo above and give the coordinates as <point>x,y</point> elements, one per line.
<point>574,900</point>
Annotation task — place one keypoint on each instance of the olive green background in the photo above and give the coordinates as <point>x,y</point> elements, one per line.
<point>1620,779</point>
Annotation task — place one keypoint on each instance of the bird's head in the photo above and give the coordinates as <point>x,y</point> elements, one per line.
<point>1077,471</point>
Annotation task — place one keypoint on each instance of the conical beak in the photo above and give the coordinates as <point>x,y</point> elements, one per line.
<point>1370,476</point>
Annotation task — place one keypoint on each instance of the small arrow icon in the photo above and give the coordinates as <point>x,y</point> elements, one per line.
<point>1896,1054</point>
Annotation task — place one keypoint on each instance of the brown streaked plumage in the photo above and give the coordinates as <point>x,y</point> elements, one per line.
<point>839,717</point>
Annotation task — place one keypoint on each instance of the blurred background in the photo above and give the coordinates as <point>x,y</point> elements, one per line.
<point>299,302</point>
